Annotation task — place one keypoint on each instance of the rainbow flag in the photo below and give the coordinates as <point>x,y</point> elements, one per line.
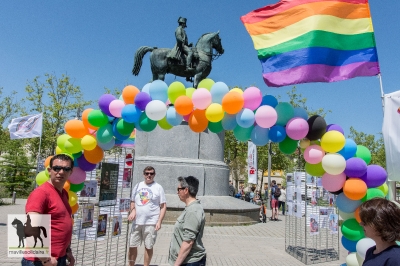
<point>300,41</point>
<point>128,143</point>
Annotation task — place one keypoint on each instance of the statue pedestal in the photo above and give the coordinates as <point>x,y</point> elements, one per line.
<point>181,152</point>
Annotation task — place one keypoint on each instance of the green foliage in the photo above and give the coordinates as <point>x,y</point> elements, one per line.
<point>375,146</point>
<point>297,100</point>
<point>235,154</point>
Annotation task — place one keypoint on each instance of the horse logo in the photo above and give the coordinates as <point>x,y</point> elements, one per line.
<point>27,230</point>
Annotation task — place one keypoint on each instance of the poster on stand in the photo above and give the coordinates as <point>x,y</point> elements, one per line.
<point>116,225</point>
<point>89,189</point>
<point>310,180</point>
<point>87,215</point>
<point>333,223</point>
<point>126,178</point>
<point>314,224</point>
<point>124,205</point>
<point>331,199</point>
<point>102,225</point>
<point>314,198</point>
<point>108,184</point>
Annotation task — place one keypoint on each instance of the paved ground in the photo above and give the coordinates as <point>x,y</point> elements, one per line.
<point>260,244</point>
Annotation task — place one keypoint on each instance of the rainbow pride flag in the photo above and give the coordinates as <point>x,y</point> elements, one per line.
<point>300,41</point>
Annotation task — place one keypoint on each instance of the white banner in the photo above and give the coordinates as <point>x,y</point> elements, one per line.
<point>29,126</point>
<point>391,134</point>
<point>252,162</point>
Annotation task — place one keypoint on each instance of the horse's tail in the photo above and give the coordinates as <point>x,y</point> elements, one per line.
<point>139,58</point>
<point>44,231</point>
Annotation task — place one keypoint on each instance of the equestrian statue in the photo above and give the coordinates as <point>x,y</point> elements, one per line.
<point>183,60</point>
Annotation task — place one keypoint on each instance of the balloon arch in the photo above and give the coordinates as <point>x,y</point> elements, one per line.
<point>342,164</point>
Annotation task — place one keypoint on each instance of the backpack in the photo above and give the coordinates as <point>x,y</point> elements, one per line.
<point>247,197</point>
<point>277,193</point>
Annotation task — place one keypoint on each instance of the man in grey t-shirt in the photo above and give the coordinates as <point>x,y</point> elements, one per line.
<point>186,244</point>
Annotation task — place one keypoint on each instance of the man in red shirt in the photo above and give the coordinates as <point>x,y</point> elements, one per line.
<point>51,198</point>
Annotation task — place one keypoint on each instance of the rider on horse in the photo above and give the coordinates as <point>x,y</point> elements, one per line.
<point>182,46</point>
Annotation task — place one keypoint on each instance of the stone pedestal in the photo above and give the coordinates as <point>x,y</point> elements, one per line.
<point>181,152</point>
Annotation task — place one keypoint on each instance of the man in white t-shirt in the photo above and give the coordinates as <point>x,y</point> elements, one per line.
<point>148,207</point>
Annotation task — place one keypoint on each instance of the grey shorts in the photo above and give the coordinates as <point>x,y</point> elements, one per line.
<point>143,233</point>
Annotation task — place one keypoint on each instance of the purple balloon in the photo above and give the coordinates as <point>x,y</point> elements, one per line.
<point>355,167</point>
<point>104,103</point>
<point>141,100</point>
<point>375,176</point>
<point>85,165</point>
<point>334,127</point>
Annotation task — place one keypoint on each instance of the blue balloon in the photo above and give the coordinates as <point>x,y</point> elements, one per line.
<point>269,100</point>
<point>218,91</point>
<point>349,244</point>
<point>242,134</point>
<point>259,136</point>
<point>146,88</point>
<point>345,204</point>
<point>173,118</point>
<point>76,161</point>
<point>229,122</point>
<point>245,118</point>
<point>131,113</point>
<point>349,149</point>
<point>107,146</point>
<point>300,112</point>
<point>159,90</point>
<point>277,133</point>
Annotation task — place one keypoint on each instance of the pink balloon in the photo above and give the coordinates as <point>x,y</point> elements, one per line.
<point>333,183</point>
<point>201,98</point>
<point>313,154</point>
<point>186,117</point>
<point>252,98</point>
<point>266,116</point>
<point>115,107</point>
<point>77,176</point>
<point>297,128</point>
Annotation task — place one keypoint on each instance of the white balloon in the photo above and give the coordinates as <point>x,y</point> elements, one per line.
<point>345,215</point>
<point>363,245</point>
<point>156,110</point>
<point>333,163</point>
<point>351,259</point>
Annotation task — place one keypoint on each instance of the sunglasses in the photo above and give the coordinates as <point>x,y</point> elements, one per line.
<point>59,168</point>
<point>180,188</point>
<point>149,173</point>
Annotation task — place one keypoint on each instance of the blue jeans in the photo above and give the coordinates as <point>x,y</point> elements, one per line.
<point>61,262</point>
<point>201,262</point>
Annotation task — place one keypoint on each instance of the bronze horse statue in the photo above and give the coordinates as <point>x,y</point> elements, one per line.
<point>202,57</point>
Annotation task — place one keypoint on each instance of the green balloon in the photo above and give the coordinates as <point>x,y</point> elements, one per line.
<point>363,153</point>
<point>288,145</point>
<point>352,230</point>
<point>77,155</point>
<point>97,118</point>
<point>104,134</point>
<point>373,193</point>
<point>124,128</point>
<point>242,134</point>
<point>73,145</point>
<point>189,92</point>
<point>175,90</point>
<point>206,83</point>
<point>314,169</point>
<point>41,178</point>
<point>61,140</point>
<point>285,112</point>
<point>146,124</point>
<point>77,187</point>
<point>215,127</point>
<point>163,123</point>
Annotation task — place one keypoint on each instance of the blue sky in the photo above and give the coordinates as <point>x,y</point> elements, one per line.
<point>94,43</point>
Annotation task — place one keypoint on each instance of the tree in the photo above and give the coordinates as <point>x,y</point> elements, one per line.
<point>375,146</point>
<point>235,154</point>
<point>9,106</point>
<point>297,100</point>
<point>59,100</point>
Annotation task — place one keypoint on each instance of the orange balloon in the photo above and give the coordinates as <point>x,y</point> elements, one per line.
<point>355,188</point>
<point>47,161</point>
<point>183,105</point>
<point>232,102</point>
<point>75,208</point>
<point>357,215</point>
<point>85,120</point>
<point>198,121</point>
<point>129,93</point>
<point>67,186</point>
<point>73,221</point>
<point>94,156</point>
<point>76,129</point>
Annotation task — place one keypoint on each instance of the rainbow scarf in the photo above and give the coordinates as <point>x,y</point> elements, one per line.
<point>300,41</point>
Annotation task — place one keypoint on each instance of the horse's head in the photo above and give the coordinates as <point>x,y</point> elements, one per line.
<point>16,222</point>
<point>216,43</point>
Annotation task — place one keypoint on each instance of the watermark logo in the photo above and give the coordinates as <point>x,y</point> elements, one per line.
<point>29,235</point>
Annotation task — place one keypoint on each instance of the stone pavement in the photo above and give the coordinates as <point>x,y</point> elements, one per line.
<point>260,244</point>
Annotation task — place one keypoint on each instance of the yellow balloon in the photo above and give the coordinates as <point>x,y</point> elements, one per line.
<point>189,92</point>
<point>41,178</point>
<point>72,198</point>
<point>59,150</point>
<point>214,112</point>
<point>304,143</point>
<point>384,188</point>
<point>333,141</point>
<point>237,90</point>
<point>88,142</point>
<point>206,83</point>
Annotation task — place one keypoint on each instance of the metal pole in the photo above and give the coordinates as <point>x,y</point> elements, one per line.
<point>269,173</point>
